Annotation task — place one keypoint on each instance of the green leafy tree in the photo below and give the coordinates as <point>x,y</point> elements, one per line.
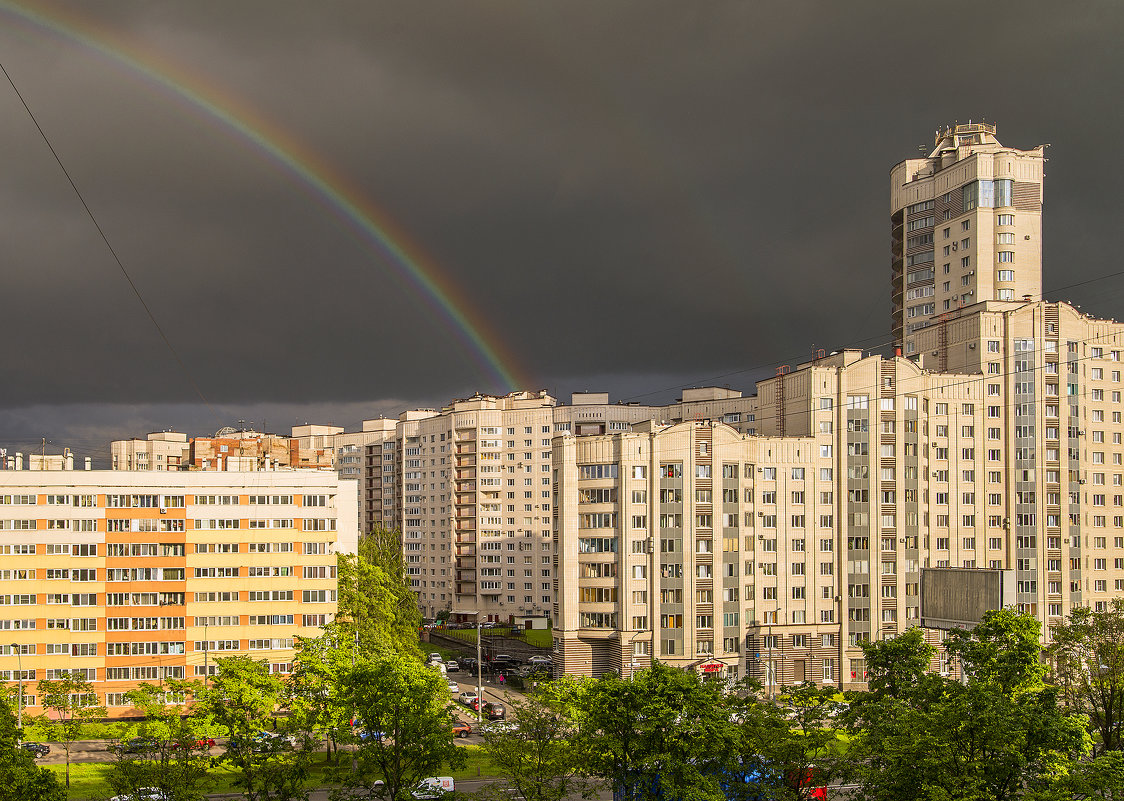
<point>1087,659</point>
<point>995,735</point>
<point>71,700</point>
<point>242,699</point>
<point>796,744</point>
<point>171,754</point>
<point>897,667</point>
<point>315,685</point>
<point>664,733</point>
<point>1100,778</point>
<point>540,756</point>
<point>20,778</point>
<point>405,731</point>
<point>377,609</point>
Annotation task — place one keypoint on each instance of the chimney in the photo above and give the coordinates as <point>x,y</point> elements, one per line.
<point>19,461</point>
<point>88,463</point>
<point>68,462</point>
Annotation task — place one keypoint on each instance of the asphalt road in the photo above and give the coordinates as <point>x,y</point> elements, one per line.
<point>99,750</point>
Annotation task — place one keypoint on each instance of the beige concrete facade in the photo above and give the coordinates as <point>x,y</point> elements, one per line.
<point>160,450</point>
<point>469,488</point>
<point>966,227</point>
<point>133,576</point>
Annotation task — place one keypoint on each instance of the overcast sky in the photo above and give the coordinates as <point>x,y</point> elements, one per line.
<point>617,196</point>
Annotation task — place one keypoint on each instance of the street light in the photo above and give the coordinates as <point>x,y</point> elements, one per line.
<point>770,666</point>
<point>479,668</point>
<point>19,674</point>
<point>632,654</point>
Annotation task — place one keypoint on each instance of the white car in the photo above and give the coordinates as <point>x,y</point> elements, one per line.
<point>435,657</point>
<point>540,660</point>
<point>467,698</point>
<point>453,686</point>
<point>142,794</point>
<point>434,787</point>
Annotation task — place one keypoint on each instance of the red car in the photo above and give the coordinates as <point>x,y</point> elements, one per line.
<point>202,742</point>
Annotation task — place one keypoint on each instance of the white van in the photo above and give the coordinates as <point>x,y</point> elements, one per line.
<point>434,787</point>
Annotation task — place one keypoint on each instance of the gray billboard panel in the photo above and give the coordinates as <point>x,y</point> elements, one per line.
<point>957,597</point>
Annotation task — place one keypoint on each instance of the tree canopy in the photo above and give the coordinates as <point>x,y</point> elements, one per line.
<point>376,607</point>
<point>993,735</point>
<point>1087,659</point>
<point>20,778</point>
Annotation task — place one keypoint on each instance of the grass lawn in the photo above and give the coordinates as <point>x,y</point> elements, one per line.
<point>540,638</point>
<point>91,780</point>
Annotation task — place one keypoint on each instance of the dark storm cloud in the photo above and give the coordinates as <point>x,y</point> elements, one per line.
<point>627,193</point>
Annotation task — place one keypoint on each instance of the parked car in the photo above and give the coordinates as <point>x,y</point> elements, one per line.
<point>434,787</point>
<point>142,794</point>
<point>136,745</point>
<point>202,742</point>
<point>435,657</point>
<point>497,727</point>
<point>466,697</point>
<point>376,736</point>
<point>453,686</point>
<point>540,660</point>
<point>266,741</point>
<point>495,711</point>
<point>452,666</point>
<point>36,749</point>
<point>461,729</point>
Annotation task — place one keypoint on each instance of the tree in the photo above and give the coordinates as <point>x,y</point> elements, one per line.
<point>242,699</point>
<point>664,733</point>
<point>20,778</point>
<point>376,607</point>
<point>796,745</point>
<point>539,757</point>
<point>406,731</point>
<point>1101,778</point>
<point>994,735</point>
<point>316,682</point>
<point>1087,659</point>
<point>896,667</point>
<point>72,699</point>
<point>171,757</point>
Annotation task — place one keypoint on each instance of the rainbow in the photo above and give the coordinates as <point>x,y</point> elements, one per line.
<point>373,226</point>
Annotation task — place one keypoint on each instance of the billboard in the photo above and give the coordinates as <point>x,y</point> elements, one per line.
<point>957,597</point>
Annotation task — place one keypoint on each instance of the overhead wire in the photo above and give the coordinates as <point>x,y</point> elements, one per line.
<point>851,345</point>
<point>113,252</point>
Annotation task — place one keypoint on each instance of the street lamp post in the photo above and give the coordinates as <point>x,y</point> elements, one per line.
<point>19,690</point>
<point>632,655</point>
<point>479,668</point>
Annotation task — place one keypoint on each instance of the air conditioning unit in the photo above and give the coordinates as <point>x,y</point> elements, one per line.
<point>163,511</point>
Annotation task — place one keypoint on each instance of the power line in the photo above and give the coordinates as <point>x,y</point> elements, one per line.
<point>105,239</point>
<point>851,345</point>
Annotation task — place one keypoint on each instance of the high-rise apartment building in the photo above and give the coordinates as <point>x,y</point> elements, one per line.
<point>965,227</point>
<point>128,576</point>
<point>995,443</point>
<point>469,488</point>
<point>160,450</point>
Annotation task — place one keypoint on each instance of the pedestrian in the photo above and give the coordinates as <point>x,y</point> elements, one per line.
<point>501,679</point>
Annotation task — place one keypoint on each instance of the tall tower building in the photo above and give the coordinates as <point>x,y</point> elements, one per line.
<point>965,227</point>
